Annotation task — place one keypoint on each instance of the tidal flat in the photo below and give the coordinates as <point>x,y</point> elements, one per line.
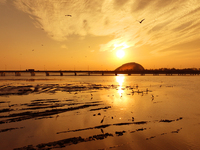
<point>123,112</point>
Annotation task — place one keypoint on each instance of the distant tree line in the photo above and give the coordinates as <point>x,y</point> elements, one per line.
<point>174,69</point>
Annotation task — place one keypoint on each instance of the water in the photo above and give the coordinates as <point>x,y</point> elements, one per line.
<point>99,112</point>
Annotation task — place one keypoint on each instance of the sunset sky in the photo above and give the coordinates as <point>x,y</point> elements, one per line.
<point>86,34</point>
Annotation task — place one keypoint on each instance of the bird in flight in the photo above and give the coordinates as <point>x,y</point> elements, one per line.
<point>141,21</point>
<point>69,15</point>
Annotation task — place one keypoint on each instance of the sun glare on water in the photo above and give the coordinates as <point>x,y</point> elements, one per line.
<point>120,53</point>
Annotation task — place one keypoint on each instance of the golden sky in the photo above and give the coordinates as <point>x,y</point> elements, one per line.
<point>41,34</point>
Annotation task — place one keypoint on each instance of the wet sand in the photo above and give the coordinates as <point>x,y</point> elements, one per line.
<point>91,116</point>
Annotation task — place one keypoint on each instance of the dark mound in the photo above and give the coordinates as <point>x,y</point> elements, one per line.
<point>130,67</point>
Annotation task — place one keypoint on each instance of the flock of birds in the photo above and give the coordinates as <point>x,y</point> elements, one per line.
<point>140,21</point>
<point>138,91</point>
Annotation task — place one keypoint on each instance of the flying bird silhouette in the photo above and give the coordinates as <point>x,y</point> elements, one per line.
<point>69,15</point>
<point>141,21</point>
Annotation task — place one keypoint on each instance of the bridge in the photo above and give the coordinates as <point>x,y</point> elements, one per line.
<point>102,72</point>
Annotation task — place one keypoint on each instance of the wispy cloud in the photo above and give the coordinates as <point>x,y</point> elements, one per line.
<point>167,23</point>
<point>64,46</point>
<point>3,1</point>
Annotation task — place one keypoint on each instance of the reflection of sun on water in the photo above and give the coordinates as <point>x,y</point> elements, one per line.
<point>120,80</point>
<point>122,101</point>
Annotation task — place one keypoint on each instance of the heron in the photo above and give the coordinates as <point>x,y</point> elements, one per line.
<point>152,97</point>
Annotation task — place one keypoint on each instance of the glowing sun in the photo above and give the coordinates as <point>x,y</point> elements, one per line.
<point>120,53</point>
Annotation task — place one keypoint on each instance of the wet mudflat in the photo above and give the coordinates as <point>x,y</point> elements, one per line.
<point>84,115</point>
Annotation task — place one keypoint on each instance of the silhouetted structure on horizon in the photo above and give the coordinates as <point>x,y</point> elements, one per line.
<point>187,71</point>
<point>132,66</point>
<point>128,68</point>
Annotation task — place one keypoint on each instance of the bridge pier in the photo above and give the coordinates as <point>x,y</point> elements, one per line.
<point>17,74</point>
<point>102,73</point>
<point>88,73</point>
<point>47,73</point>
<point>61,73</point>
<point>115,74</point>
<point>3,74</point>
<point>75,73</point>
<point>32,73</point>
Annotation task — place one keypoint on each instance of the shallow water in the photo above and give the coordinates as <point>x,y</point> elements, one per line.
<point>99,112</point>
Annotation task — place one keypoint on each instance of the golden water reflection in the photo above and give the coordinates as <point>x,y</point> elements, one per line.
<point>122,100</point>
<point>120,80</point>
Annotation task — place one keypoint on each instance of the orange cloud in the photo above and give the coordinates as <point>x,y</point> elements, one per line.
<point>166,23</point>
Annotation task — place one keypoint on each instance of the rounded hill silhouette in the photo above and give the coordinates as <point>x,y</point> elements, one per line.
<point>132,66</point>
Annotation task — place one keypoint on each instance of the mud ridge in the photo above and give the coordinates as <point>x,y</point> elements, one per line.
<point>30,114</point>
<point>65,142</point>
<point>104,126</point>
<point>9,129</point>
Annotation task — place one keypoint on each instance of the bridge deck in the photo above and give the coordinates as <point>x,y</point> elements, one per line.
<point>103,72</point>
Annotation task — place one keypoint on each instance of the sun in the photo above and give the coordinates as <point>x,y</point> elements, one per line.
<point>120,53</point>
<point>119,48</point>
